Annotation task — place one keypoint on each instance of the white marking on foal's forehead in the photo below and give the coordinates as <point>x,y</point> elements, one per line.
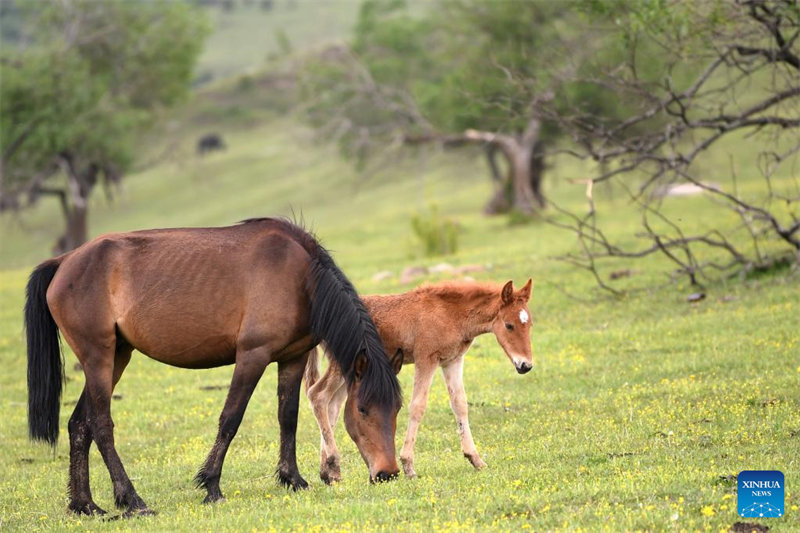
<point>523,316</point>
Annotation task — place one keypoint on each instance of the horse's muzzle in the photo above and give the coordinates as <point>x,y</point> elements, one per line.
<point>523,367</point>
<point>382,477</point>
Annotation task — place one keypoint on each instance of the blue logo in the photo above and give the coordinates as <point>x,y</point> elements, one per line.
<point>760,493</point>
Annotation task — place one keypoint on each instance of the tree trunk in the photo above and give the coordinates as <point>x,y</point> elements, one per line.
<point>521,178</point>
<point>76,230</point>
<point>537,173</point>
<point>500,202</point>
<point>521,189</point>
<point>76,210</point>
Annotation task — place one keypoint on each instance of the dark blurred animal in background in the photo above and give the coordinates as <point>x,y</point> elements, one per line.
<point>209,143</point>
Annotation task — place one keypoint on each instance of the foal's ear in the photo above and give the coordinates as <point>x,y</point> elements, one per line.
<point>397,361</point>
<point>360,364</point>
<point>507,294</point>
<point>525,292</point>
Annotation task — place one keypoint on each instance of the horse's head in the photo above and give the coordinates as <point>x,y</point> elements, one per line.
<point>512,325</point>
<point>371,421</point>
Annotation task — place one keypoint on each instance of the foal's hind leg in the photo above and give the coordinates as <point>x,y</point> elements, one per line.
<point>326,396</point>
<point>248,370</point>
<point>333,462</point>
<point>290,376</point>
<point>80,440</point>
<point>101,372</point>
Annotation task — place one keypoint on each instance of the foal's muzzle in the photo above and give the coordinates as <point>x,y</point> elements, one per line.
<point>382,476</point>
<point>523,367</point>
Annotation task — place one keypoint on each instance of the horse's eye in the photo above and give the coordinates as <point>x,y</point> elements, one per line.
<point>509,327</point>
<point>362,411</point>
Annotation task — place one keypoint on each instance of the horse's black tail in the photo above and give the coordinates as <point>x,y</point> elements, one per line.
<point>339,317</point>
<point>45,364</point>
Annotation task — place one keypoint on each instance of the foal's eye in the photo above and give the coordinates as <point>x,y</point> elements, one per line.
<point>362,411</point>
<point>509,327</point>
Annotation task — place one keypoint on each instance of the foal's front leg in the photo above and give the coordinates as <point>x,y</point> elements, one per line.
<point>423,376</point>
<point>453,376</point>
<point>290,376</point>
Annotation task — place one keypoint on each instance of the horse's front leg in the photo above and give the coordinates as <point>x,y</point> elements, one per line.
<point>454,377</point>
<point>326,397</point>
<point>248,370</point>
<point>423,376</point>
<point>290,376</point>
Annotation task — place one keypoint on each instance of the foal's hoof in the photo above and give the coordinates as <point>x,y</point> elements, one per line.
<point>292,481</point>
<point>329,478</point>
<point>476,461</point>
<point>329,472</point>
<point>89,509</point>
<point>408,468</point>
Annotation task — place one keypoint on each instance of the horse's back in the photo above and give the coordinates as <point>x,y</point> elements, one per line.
<point>183,296</point>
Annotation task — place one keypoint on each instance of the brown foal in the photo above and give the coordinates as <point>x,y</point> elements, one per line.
<point>431,326</point>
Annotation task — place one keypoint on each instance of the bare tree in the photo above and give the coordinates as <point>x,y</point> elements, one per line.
<point>744,83</point>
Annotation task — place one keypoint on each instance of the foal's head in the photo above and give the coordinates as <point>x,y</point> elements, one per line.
<point>370,417</point>
<point>512,325</point>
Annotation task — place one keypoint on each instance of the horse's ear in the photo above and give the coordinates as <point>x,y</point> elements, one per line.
<point>525,292</point>
<point>397,361</point>
<point>507,295</point>
<point>360,364</point>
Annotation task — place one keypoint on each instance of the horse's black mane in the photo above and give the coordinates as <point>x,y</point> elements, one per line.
<point>339,317</point>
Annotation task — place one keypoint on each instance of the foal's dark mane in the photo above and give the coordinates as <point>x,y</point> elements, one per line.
<point>339,317</point>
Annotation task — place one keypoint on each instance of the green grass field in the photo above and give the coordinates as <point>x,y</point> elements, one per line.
<point>636,415</point>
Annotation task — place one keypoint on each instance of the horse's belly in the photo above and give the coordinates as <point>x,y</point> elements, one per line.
<point>181,343</point>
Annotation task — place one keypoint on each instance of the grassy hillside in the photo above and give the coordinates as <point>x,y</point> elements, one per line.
<point>248,35</point>
<point>637,413</point>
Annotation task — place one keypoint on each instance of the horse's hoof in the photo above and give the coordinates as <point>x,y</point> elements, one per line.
<point>213,498</point>
<point>292,481</point>
<point>138,511</point>
<point>89,509</point>
<point>409,472</point>
<point>299,484</point>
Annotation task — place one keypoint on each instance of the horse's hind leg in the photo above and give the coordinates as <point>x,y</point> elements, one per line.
<point>102,372</point>
<point>248,370</point>
<point>80,440</point>
<point>290,376</point>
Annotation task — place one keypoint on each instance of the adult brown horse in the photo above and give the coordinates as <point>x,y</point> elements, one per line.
<point>259,292</point>
<point>432,327</point>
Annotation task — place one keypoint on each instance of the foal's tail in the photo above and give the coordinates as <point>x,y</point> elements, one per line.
<point>45,363</point>
<point>312,369</point>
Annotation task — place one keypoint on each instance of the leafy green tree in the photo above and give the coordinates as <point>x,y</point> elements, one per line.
<point>462,72</point>
<point>73,103</point>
